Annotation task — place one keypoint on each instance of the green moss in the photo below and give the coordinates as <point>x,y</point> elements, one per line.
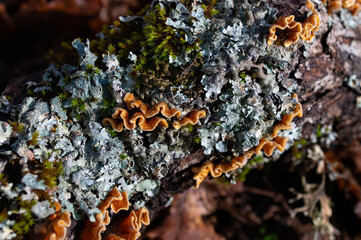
<point>107,107</point>
<point>297,155</point>
<point>318,131</point>
<point>154,43</point>
<point>257,159</point>
<point>303,142</point>
<point>3,180</point>
<point>189,127</point>
<point>50,172</point>
<point>25,220</point>
<point>112,132</point>
<point>246,169</point>
<point>111,49</point>
<point>43,93</point>
<point>267,236</point>
<point>209,9</point>
<point>66,79</point>
<point>34,139</point>
<point>17,126</point>
<point>243,76</point>
<point>30,93</point>
<point>242,176</point>
<point>63,96</point>
<point>197,140</point>
<point>63,54</point>
<point>79,104</point>
<point>3,215</point>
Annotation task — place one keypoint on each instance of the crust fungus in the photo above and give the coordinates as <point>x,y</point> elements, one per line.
<point>353,6</point>
<point>116,201</point>
<point>121,118</point>
<point>161,107</point>
<point>265,145</point>
<point>294,30</point>
<point>56,228</point>
<point>191,118</point>
<point>127,229</point>
<point>147,120</point>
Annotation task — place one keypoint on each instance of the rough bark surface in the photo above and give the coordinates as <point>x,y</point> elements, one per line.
<point>334,55</point>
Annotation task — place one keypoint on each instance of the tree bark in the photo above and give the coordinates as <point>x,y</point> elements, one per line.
<point>334,56</point>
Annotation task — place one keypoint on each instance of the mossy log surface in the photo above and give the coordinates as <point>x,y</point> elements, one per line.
<point>334,55</point>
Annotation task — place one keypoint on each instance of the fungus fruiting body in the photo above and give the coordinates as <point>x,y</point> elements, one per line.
<point>126,229</point>
<point>55,226</point>
<point>207,82</point>
<point>353,6</point>
<point>146,116</point>
<point>116,201</point>
<point>191,118</point>
<point>129,227</point>
<point>295,30</point>
<point>161,107</point>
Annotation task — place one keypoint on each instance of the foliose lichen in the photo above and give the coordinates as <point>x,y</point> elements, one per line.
<point>191,55</point>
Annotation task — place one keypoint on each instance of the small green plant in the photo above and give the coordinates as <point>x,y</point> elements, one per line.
<point>43,93</point>
<point>79,104</point>
<point>318,131</point>
<point>34,139</point>
<point>66,79</point>
<point>242,176</point>
<point>111,48</point>
<point>25,220</point>
<point>267,236</point>
<point>153,43</point>
<point>209,10</point>
<point>107,107</point>
<point>197,140</point>
<point>89,68</point>
<point>17,126</point>
<point>303,142</point>
<point>243,75</point>
<point>112,132</point>
<point>3,180</point>
<point>50,172</point>
<point>246,169</point>
<point>30,93</point>
<point>63,96</point>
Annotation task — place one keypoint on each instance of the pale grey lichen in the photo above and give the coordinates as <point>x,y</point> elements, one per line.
<point>5,229</point>
<point>229,71</point>
<point>42,209</point>
<point>5,132</point>
<point>358,101</point>
<point>354,83</point>
<point>31,180</point>
<point>349,20</point>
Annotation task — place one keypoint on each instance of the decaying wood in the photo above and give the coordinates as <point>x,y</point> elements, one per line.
<point>334,55</point>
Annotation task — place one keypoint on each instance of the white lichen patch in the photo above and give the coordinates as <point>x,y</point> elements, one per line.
<point>222,66</point>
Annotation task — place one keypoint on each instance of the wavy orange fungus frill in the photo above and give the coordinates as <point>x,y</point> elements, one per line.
<point>353,6</point>
<point>295,30</point>
<point>116,201</point>
<point>127,229</point>
<point>146,116</point>
<point>55,226</point>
